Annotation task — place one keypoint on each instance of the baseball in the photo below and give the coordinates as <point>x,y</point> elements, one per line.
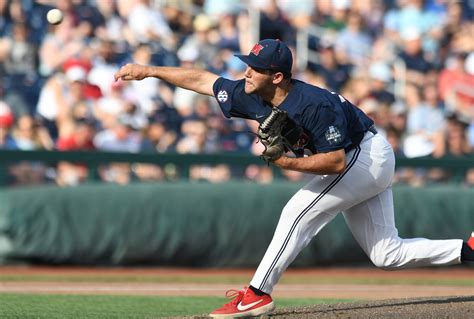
<point>54,16</point>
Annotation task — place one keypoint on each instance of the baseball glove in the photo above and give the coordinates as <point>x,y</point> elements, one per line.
<point>278,133</point>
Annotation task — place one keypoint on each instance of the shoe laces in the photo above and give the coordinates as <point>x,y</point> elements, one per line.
<point>237,295</point>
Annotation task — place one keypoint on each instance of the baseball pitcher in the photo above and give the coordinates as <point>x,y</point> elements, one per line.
<point>330,138</point>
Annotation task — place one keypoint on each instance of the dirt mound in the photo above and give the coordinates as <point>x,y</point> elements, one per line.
<point>414,308</point>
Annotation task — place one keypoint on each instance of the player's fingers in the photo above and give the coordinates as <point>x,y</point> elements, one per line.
<point>123,73</point>
<point>118,75</point>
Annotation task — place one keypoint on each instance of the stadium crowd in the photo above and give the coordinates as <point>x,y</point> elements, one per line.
<point>409,64</point>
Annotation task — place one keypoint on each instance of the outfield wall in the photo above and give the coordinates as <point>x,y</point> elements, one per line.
<point>192,224</point>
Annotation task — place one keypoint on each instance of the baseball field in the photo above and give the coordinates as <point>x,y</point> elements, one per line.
<point>58,292</point>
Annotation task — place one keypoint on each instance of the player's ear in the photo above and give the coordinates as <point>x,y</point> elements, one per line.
<point>278,77</point>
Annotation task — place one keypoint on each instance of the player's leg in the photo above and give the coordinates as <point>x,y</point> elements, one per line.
<point>373,226</point>
<point>307,212</point>
<point>295,229</point>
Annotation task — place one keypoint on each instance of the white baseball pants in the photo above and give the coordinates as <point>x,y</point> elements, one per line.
<point>363,192</point>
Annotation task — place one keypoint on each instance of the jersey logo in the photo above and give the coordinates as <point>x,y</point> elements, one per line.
<point>222,96</point>
<point>256,49</point>
<point>333,136</point>
<point>303,140</point>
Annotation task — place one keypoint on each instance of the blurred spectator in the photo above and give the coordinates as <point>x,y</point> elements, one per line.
<point>398,117</point>
<point>118,173</point>
<point>381,76</point>
<point>334,73</point>
<point>18,64</point>
<point>200,41</point>
<point>183,100</point>
<point>66,95</point>
<point>214,174</point>
<point>158,138</point>
<point>148,172</point>
<point>70,174</point>
<point>88,17</point>
<point>29,135</point>
<point>6,122</point>
<point>179,15</point>
<point>353,42</point>
<point>413,56</point>
<point>456,83</point>
<point>425,124</point>
<point>111,25</point>
<point>121,137</point>
<point>456,145</point>
<point>143,92</point>
<point>357,88</point>
<point>17,54</point>
<point>111,105</point>
<point>331,14</point>
<point>394,137</point>
<point>194,138</point>
<point>456,136</point>
<point>104,63</point>
<point>298,12</point>
<point>261,174</point>
<point>62,42</point>
<point>147,24</point>
<point>228,38</point>
<point>77,136</point>
<point>274,24</point>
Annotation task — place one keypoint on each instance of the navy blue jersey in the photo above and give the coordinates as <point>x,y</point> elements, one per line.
<point>330,122</point>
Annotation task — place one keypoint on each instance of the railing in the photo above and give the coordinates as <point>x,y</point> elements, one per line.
<point>457,165</point>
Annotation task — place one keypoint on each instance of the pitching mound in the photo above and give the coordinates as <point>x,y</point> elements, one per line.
<point>438,307</point>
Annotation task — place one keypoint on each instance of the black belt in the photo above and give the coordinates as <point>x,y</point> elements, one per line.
<point>371,129</point>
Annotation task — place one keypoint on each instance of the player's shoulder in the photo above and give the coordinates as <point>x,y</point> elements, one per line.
<point>222,82</point>
<point>312,92</point>
<point>308,96</point>
<point>224,88</point>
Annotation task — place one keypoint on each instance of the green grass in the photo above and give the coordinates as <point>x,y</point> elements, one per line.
<point>102,306</point>
<point>238,279</point>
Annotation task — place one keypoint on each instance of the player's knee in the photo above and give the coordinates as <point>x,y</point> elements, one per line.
<point>385,263</point>
<point>387,259</point>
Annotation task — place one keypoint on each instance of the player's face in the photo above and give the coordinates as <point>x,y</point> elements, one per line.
<point>257,80</point>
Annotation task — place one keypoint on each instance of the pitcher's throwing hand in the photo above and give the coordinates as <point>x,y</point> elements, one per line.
<point>130,72</point>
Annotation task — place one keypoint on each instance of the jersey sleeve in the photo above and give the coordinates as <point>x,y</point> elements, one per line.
<point>328,129</point>
<point>232,98</point>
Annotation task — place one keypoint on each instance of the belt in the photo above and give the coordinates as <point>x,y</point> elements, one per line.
<point>371,129</point>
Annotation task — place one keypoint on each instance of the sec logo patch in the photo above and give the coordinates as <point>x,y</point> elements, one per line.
<point>222,96</point>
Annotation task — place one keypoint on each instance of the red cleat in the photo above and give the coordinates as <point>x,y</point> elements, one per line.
<point>245,304</point>
<point>470,241</point>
